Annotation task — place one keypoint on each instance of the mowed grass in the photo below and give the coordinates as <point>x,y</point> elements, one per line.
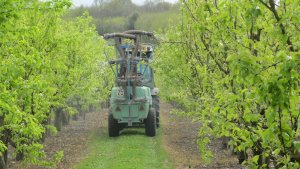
<point>131,150</point>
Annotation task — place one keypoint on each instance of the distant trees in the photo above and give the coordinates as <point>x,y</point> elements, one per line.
<point>120,15</point>
<point>99,2</point>
<point>131,21</point>
<point>156,6</point>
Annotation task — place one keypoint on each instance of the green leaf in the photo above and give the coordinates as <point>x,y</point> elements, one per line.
<point>255,159</point>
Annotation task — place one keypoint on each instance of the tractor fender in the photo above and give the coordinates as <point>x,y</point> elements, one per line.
<point>154,91</point>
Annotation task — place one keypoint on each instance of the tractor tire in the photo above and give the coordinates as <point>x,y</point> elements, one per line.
<point>157,119</point>
<point>113,126</point>
<point>156,102</point>
<point>150,124</point>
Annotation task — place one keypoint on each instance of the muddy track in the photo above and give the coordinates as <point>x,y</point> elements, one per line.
<point>179,139</point>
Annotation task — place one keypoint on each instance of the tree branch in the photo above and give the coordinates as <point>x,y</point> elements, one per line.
<point>190,11</point>
<point>265,4</point>
<point>272,8</point>
<point>273,65</point>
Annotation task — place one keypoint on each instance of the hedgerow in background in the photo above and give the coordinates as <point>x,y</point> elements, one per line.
<point>234,66</point>
<point>45,62</point>
<point>120,15</point>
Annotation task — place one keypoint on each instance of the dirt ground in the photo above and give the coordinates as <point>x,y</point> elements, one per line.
<point>72,140</point>
<point>179,139</point>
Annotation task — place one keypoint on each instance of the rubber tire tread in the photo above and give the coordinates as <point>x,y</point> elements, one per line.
<point>113,126</point>
<point>157,119</point>
<point>156,105</point>
<point>150,124</point>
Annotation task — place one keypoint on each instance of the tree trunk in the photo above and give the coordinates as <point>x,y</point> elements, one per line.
<point>75,117</point>
<point>65,118</point>
<point>2,161</point>
<point>242,156</point>
<point>91,108</point>
<point>225,141</point>
<point>58,119</point>
<point>3,138</point>
<point>78,108</point>
<point>82,114</point>
<point>47,132</point>
<point>20,156</point>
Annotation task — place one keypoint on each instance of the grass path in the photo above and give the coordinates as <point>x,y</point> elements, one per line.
<point>131,150</point>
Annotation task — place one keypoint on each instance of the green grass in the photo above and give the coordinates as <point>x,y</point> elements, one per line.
<point>131,150</point>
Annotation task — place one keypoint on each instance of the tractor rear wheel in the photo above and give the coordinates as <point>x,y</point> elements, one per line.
<point>113,126</point>
<point>156,102</point>
<point>150,124</point>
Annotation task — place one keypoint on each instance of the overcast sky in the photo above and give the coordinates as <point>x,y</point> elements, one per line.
<point>89,2</point>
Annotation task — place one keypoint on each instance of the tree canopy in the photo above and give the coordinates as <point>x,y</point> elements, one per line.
<point>234,66</point>
<point>44,64</point>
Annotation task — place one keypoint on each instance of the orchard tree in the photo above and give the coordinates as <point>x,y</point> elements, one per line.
<point>45,61</point>
<point>237,66</point>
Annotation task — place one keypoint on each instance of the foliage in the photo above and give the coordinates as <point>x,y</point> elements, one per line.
<point>234,66</point>
<point>45,62</point>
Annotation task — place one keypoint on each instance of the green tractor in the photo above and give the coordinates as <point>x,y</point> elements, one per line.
<point>134,101</point>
